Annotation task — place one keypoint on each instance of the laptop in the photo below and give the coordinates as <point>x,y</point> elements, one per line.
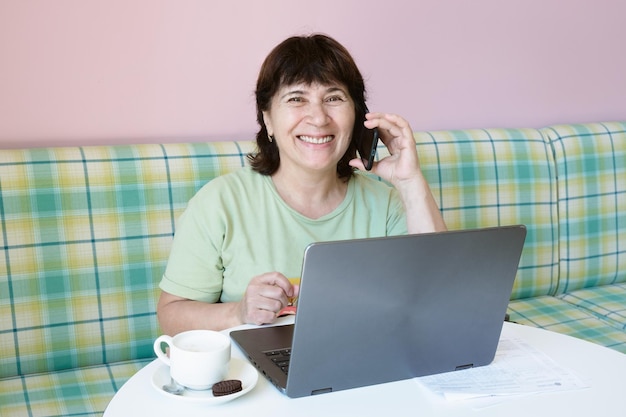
<point>378,310</point>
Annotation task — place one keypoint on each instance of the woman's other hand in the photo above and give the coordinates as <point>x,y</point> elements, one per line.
<point>265,296</point>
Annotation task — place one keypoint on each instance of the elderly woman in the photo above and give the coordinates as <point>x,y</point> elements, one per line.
<point>244,233</point>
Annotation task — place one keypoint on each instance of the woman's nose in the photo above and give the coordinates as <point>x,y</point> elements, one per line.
<point>318,114</point>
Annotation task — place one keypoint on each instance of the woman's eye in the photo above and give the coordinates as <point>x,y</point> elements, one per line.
<point>335,99</point>
<point>295,100</point>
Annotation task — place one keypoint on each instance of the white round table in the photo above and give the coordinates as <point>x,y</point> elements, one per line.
<point>603,369</point>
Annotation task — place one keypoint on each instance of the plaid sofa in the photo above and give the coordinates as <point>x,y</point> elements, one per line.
<point>85,234</point>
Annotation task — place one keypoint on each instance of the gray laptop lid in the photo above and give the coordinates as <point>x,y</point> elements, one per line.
<point>385,309</point>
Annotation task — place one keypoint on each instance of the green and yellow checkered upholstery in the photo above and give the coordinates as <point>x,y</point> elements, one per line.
<point>85,234</point>
<point>590,299</point>
<point>497,177</point>
<point>591,166</point>
<point>591,160</point>
<point>567,184</point>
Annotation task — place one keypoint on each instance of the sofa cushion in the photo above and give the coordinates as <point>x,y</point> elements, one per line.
<point>607,302</point>
<point>552,313</point>
<point>496,177</point>
<point>591,166</point>
<point>76,392</point>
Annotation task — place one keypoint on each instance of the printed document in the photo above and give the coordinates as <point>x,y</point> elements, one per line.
<point>518,369</point>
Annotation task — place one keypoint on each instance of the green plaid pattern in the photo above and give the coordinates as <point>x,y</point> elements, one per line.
<point>591,166</point>
<point>607,302</point>
<point>77,392</point>
<point>557,315</point>
<point>589,302</point>
<point>496,177</point>
<point>86,234</point>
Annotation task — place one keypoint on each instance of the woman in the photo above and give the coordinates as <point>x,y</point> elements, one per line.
<point>243,234</point>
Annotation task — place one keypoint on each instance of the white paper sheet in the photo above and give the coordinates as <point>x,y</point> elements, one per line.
<point>518,369</point>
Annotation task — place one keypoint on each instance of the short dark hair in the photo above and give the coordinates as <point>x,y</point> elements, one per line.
<point>308,59</point>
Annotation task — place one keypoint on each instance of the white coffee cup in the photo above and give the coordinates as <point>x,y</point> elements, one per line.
<point>197,358</point>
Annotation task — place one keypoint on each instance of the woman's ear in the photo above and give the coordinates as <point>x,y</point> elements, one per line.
<point>267,120</point>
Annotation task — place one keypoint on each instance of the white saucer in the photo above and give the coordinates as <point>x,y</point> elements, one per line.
<point>238,369</point>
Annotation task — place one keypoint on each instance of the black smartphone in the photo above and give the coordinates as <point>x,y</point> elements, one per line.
<point>366,146</point>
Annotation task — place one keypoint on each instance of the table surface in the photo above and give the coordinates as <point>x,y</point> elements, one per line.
<point>602,368</point>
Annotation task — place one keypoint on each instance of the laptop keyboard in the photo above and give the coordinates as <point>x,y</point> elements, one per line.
<point>280,358</point>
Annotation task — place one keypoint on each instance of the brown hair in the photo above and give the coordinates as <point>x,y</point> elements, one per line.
<point>309,59</point>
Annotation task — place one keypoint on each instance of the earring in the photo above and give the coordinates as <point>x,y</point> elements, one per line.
<point>270,138</point>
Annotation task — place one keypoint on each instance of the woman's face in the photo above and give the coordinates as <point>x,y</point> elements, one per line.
<point>311,124</point>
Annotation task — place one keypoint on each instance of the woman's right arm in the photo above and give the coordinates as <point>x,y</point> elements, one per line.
<point>265,296</point>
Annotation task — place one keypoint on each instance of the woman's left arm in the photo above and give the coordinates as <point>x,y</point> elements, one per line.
<point>402,169</point>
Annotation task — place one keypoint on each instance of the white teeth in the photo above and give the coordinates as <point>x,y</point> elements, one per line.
<point>317,141</point>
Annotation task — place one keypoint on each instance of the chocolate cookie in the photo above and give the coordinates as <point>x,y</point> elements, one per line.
<point>230,386</point>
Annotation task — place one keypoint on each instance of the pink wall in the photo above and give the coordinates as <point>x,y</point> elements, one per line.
<point>120,71</point>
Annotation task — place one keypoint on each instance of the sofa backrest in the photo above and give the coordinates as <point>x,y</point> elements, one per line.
<point>85,235</point>
<point>85,232</point>
<point>496,177</point>
<point>591,168</point>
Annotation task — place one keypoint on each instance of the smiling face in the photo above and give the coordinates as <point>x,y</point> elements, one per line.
<point>305,63</point>
<point>312,125</point>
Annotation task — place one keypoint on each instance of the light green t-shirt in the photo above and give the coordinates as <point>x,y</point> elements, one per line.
<point>237,226</point>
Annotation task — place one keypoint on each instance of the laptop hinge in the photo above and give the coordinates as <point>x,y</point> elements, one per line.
<point>321,391</point>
